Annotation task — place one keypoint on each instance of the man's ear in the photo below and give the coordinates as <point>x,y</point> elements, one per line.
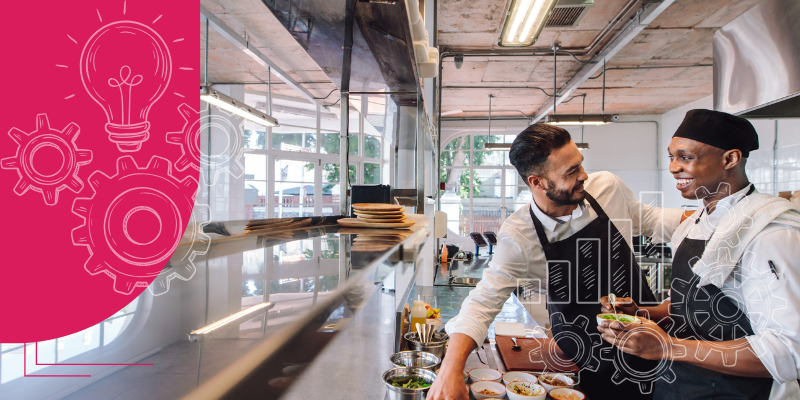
<point>732,158</point>
<point>536,182</point>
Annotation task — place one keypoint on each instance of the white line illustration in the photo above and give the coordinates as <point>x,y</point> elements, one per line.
<point>132,255</point>
<point>193,243</point>
<point>576,332</point>
<point>229,160</point>
<point>126,67</point>
<point>37,173</point>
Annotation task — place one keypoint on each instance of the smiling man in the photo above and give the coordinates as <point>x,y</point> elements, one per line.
<point>539,241</point>
<point>732,327</point>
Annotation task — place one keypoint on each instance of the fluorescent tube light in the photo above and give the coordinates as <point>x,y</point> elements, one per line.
<point>582,146</point>
<point>524,21</point>
<point>225,102</point>
<point>241,315</point>
<point>451,112</point>
<point>581,119</point>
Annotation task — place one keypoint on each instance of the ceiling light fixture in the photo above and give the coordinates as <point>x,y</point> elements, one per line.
<point>451,112</point>
<point>524,22</point>
<point>227,103</point>
<point>581,119</point>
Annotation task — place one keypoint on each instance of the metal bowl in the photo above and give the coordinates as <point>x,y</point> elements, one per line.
<point>417,359</point>
<point>437,347</point>
<point>399,393</point>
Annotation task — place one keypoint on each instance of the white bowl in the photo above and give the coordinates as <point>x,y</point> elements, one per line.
<point>635,320</point>
<point>483,385</point>
<point>557,394</point>
<point>516,376</point>
<point>561,377</point>
<point>485,374</point>
<point>533,387</point>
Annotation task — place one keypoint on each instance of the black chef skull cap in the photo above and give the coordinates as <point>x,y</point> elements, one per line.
<point>719,129</point>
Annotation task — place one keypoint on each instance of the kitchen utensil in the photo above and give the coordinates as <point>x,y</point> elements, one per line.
<point>415,359</point>
<point>437,345</point>
<point>376,207</point>
<point>515,347</point>
<point>400,393</point>
<point>612,298</point>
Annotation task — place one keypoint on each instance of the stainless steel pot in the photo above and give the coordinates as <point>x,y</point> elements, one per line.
<point>437,347</point>
<point>399,393</point>
<point>417,359</point>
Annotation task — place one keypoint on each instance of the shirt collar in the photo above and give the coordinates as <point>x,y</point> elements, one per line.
<point>551,223</point>
<point>724,205</point>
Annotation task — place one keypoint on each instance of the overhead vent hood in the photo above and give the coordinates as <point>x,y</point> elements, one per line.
<point>757,62</point>
<point>568,13</point>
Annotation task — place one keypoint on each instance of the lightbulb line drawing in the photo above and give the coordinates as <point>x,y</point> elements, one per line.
<point>126,67</point>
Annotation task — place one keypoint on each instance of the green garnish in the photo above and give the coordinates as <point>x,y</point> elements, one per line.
<point>617,317</point>
<point>412,383</point>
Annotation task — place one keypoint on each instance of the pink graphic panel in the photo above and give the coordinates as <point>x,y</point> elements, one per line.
<point>92,200</point>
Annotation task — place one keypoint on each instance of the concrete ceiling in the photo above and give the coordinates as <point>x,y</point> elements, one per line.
<point>681,35</point>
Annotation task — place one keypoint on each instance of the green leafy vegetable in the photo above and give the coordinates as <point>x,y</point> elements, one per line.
<point>411,383</point>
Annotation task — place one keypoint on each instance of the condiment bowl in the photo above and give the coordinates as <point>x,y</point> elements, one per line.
<point>399,393</point>
<point>624,318</point>
<point>543,379</point>
<point>566,394</point>
<point>485,374</point>
<point>418,359</point>
<point>538,391</point>
<point>498,389</point>
<point>517,376</point>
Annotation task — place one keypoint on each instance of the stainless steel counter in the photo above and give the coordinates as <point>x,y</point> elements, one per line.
<point>297,289</point>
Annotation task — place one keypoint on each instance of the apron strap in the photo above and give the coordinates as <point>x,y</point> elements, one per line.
<point>540,229</point>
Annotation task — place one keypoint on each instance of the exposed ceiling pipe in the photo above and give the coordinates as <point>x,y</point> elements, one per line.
<point>642,19</point>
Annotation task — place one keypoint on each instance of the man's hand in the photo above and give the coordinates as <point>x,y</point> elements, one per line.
<point>646,340</point>
<point>624,305</point>
<point>449,385</point>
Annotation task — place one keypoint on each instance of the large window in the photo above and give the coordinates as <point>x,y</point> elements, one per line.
<point>13,355</point>
<point>293,170</point>
<point>482,188</point>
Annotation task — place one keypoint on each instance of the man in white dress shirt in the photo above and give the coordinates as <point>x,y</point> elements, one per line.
<point>732,329</point>
<point>568,207</point>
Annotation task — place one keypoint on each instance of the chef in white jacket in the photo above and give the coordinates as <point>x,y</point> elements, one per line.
<point>568,206</point>
<point>732,325</point>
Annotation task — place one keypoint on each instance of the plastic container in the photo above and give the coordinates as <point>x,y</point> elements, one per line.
<point>419,315</point>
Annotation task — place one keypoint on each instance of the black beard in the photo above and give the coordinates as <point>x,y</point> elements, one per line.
<point>563,197</point>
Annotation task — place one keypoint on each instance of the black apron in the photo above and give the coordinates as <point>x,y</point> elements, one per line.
<point>722,320</point>
<point>580,272</point>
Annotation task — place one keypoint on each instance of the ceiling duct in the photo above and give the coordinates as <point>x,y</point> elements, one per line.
<point>568,13</point>
<point>757,62</point>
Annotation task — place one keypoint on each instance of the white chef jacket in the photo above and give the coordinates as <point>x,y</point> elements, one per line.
<point>519,254</point>
<point>770,301</point>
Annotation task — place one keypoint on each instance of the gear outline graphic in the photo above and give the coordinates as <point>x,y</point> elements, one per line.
<point>734,218</point>
<point>104,229</point>
<point>189,140</point>
<point>45,136</point>
<point>586,357</point>
<point>645,379</point>
<point>762,292</point>
<point>195,243</point>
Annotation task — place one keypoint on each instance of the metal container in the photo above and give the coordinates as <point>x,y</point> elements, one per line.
<point>416,359</point>
<point>437,347</point>
<point>399,393</point>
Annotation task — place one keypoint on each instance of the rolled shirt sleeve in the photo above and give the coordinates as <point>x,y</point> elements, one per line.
<point>508,266</point>
<point>656,222</point>
<point>772,301</point>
